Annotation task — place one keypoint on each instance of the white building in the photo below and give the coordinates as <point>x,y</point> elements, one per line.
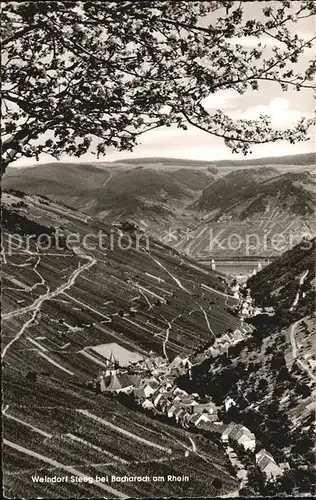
<point>267,464</point>
<point>240,434</point>
<point>229,402</point>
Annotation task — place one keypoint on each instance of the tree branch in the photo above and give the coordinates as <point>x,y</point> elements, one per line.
<point>19,34</point>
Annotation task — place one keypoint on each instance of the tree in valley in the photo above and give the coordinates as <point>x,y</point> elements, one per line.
<point>87,76</point>
<point>256,479</point>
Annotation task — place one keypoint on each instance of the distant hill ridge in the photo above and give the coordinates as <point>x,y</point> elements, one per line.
<point>299,159</point>
<point>241,185</point>
<point>187,198</point>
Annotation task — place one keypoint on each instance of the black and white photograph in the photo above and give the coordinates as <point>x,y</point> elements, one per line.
<point>158,233</point>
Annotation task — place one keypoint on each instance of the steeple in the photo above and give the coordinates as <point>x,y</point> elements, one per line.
<point>113,362</point>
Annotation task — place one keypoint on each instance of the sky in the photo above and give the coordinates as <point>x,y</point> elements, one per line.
<point>284,108</point>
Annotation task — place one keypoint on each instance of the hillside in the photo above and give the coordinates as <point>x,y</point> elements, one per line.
<point>299,159</point>
<point>168,162</point>
<point>288,284</point>
<point>266,213</point>
<point>173,281</point>
<point>154,196</point>
<point>293,191</point>
<point>66,295</point>
<point>185,207</point>
<point>228,190</point>
<point>55,178</point>
<point>271,376</point>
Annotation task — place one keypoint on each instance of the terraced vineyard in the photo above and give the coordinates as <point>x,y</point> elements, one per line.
<point>58,302</point>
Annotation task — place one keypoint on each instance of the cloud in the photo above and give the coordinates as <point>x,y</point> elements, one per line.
<point>223,99</point>
<point>279,110</point>
<point>268,41</point>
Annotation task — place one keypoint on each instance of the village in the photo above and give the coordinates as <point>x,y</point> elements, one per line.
<point>150,383</point>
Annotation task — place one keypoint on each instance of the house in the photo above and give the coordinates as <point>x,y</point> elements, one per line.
<point>200,419</point>
<point>164,403</point>
<point>153,364</point>
<point>116,382</point>
<point>146,389</point>
<point>211,426</point>
<point>267,464</point>
<point>241,435</point>
<point>165,380</point>
<point>229,402</point>
<point>138,393</point>
<point>211,419</point>
<point>136,380</point>
<point>187,364</point>
<point>147,404</point>
<point>226,433</point>
<point>174,398</point>
<point>230,336</point>
<point>186,419</point>
<point>176,363</point>
<point>165,384</point>
<point>150,387</point>
<point>188,406</point>
<point>242,475</point>
<point>237,335</point>
<point>225,338</point>
<point>157,399</point>
<point>235,288</point>
<point>172,410</point>
<point>180,392</point>
<point>204,408</point>
<point>179,414</point>
<point>178,366</point>
<point>224,347</point>
<point>263,453</point>
<point>285,466</point>
<point>214,352</point>
<point>246,438</point>
<point>270,468</point>
<point>187,401</point>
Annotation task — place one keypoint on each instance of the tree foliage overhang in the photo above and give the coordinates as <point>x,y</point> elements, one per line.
<point>79,76</point>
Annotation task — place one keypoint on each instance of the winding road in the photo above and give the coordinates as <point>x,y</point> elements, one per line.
<point>294,350</point>
<point>35,307</point>
<point>164,344</point>
<point>107,180</point>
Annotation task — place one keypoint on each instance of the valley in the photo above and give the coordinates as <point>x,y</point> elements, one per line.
<point>203,209</point>
<point>121,349</point>
<point>158,279</point>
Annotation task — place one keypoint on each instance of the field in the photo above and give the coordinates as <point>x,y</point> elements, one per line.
<point>59,421</point>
